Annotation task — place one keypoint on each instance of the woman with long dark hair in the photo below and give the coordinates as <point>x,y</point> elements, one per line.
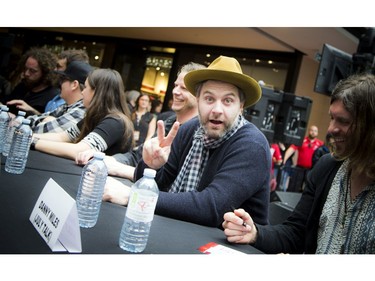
<point>144,121</point>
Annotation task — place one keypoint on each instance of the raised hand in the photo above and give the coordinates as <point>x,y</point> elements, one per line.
<point>156,150</point>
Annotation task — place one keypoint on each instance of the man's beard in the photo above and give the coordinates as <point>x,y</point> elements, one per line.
<point>215,134</point>
<point>31,84</point>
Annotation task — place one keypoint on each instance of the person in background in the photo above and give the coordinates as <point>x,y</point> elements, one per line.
<point>324,149</point>
<point>63,60</point>
<point>106,126</point>
<point>5,87</point>
<point>37,85</point>
<point>156,106</point>
<point>217,160</point>
<point>72,82</point>
<point>164,115</point>
<point>67,56</point>
<point>285,169</point>
<point>276,161</point>
<point>8,68</point>
<point>304,158</point>
<point>131,97</point>
<point>335,213</point>
<point>144,122</point>
<point>123,164</point>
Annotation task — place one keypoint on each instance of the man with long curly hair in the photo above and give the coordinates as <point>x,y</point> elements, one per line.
<point>37,85</point>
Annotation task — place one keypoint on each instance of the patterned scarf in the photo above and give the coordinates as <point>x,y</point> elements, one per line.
<point>196,160</point>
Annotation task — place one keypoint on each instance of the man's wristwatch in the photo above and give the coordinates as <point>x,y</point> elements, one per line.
<point>33,143</point>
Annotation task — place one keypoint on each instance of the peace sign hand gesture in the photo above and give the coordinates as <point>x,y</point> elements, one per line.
<point>156,150</point>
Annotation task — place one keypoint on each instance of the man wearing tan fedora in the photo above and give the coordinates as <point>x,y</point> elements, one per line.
<point>218,160</point>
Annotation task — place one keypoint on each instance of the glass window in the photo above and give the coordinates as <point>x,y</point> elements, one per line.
<point>156,76</point>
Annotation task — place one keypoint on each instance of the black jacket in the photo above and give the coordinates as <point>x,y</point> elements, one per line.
<point>298,234</point>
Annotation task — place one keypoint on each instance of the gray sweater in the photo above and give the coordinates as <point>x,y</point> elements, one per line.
<point>237,174</point>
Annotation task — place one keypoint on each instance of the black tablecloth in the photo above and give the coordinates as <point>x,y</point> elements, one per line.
<point>19,194</point>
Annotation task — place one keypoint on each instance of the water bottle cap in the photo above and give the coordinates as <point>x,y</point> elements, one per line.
<point>149,172</point>
<point>21,113</point>
<point>99,155</point>
<point>26,121</point>
<point>4,108</point>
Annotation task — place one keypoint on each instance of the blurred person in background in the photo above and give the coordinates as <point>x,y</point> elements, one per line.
<point>324,149</point>
<point>131,97</point>
<point>304,158</point>
<point>144,121</point>
<point>156,107</point>
<point>37,85</point>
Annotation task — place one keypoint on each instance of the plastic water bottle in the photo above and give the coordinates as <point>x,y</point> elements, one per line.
<point>13,124</point>
<point>90,191</point>
<point>4,124</point>
<point>19,150</point>
<point>139,213</point>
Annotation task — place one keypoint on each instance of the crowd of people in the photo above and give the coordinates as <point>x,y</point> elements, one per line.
<point>214,167</point>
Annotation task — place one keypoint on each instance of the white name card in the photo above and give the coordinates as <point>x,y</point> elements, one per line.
<point>55,218</point>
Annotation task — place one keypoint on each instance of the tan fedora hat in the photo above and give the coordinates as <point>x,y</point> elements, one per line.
<point>226,69</point>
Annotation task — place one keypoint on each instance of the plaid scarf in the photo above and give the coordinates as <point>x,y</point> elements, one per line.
<point>196,160</point>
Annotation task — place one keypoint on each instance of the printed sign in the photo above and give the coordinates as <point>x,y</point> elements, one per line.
<point>55,218</point>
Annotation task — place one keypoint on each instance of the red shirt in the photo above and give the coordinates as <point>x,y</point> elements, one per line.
<point>276,155</point>
<point>306,151</point>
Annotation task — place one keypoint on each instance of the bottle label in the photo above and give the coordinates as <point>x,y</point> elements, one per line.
<point>141,205</point>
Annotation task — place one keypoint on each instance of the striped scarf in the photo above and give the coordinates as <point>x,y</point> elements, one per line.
<point>196,160</point>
